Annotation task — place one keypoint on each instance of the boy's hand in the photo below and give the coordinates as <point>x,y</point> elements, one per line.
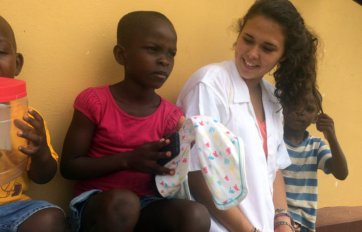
<point>144,158</point>
<point>34,132</point>
<point>338,164</point>
<point>325,124</point>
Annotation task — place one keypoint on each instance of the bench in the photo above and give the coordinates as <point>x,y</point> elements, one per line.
<point>339,219</point>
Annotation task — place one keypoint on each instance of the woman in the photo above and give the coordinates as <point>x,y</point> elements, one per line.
<point>271,35</point>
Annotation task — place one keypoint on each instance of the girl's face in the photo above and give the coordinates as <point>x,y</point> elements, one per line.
<point>149,57</point>
<point>259,47</point>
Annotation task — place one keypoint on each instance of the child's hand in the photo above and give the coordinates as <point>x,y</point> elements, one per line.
<point>144,158</point>
<point>325,124</point>
<point>34,132</point>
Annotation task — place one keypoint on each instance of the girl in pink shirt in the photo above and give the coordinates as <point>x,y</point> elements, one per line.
<point>112,145</point>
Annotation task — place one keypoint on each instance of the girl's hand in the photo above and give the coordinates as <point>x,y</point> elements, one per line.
<point>325,124</point>
<point>144,158</point>
<point>33,130</point>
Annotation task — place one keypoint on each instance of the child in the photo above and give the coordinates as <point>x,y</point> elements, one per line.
<point>112,144</point>
<point>271,36</point>
<point>17,211</point>
<point>308,154</point>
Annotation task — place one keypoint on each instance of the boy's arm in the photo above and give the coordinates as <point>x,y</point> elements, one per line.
<point>232,219</point>
<point>76,164</point>
<point>43,165</point>
<point>338,163</point>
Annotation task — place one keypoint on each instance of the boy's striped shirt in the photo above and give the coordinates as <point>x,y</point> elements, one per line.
<point>301,181</point>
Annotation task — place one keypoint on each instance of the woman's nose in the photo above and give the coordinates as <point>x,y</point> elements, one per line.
<point>253,52</point>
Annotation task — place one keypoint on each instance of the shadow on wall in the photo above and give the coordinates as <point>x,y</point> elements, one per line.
<point>59,191</point>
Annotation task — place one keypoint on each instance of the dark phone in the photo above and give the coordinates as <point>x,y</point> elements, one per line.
<point>173,146</point>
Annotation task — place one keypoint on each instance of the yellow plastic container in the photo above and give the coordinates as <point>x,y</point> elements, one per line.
<point>13,105</point>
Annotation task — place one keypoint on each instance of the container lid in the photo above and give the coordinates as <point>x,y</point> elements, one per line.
<point>11,89</point>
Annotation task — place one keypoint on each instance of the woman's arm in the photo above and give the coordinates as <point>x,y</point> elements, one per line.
<point>232,219</point>
<point>280,205</point>
<point>279,194</point>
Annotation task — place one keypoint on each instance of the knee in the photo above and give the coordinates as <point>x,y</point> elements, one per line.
<point>200,214</point>
<point>197,215</point>
<point>47,220</point>
<point>117,199</point>
<point>121,203</point>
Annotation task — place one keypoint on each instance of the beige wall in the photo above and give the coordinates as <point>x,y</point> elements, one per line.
<point>68,46</point>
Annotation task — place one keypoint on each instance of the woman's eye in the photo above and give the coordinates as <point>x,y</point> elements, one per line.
<point>268,49</point>
<point>248,40</point>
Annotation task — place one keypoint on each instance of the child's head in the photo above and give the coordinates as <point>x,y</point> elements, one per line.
<point>299,116</point>
<point>298,63</point>
<point>11,62</point>
<point>146,47</point>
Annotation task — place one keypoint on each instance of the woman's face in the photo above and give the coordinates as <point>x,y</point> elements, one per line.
<point>259,47</point>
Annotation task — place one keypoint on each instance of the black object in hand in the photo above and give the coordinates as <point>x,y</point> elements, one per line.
<point>173,147</point>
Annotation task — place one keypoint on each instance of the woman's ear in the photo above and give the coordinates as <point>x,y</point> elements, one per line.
<point>19,63</point>
<point>119,54</point>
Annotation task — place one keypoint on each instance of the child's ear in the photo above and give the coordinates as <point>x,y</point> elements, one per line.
<point>119,54</point>
<point>19,63</point>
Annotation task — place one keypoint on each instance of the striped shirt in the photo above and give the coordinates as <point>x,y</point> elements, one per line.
<point>301,181</point>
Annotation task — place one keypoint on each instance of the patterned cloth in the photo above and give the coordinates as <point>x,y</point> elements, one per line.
<point>221,157</point>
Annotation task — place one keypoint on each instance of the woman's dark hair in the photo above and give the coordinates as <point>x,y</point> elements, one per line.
<point>318,98</point>
<point>299,63</point>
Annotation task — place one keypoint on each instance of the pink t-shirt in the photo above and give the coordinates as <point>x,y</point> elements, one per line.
<point>116,131</point>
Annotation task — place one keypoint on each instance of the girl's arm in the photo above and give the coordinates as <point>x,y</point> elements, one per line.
<point>75,163</point>
<point>43,166</point>
<point>233,219</point>
<point>338,163</point>
<point>180,122</point>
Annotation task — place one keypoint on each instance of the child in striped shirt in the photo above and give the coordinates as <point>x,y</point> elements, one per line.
<point>308,154</point>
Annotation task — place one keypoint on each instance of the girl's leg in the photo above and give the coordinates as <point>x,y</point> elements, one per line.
<point>45,220</point>
<point>174,215</point>
<point>114,210</point>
